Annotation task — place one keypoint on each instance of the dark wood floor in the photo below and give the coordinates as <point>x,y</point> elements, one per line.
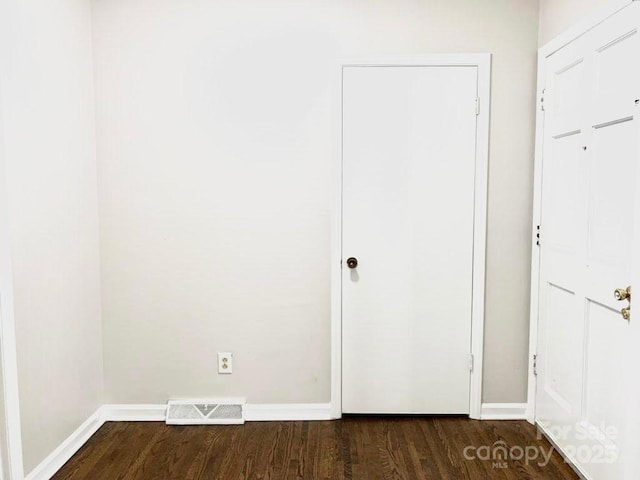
<point>365,448</point>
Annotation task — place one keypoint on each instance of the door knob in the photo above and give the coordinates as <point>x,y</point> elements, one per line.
<point>352,262</point>
<point>622,293</point>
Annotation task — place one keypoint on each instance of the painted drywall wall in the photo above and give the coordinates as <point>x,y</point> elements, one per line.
<point>214,133</point>
<point>49,152</point>
<point>557,16</point>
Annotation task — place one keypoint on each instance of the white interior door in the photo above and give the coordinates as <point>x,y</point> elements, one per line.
<point>589,188</point>
<point>409,143</point>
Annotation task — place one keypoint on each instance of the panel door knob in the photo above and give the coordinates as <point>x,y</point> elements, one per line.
<point>352,262</point>
<point>622,293</point>
<point>626,313</point>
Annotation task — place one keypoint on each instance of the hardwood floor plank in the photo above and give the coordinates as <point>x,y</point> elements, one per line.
<point>139,460</point>
<point>226,454</point>
<point>92,452</point>
<point>356,447</point>
<point>205,452</point>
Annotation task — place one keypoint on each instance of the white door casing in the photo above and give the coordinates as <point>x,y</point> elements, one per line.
<point>589,188</point>
<point>395,261</point>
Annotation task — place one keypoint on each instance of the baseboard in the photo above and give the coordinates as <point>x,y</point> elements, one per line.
<point>570,460</point>
<point>134,412</point>
<point>503,411</point>
<point>50,465</point>
<point>156,413</point>
<point>253,412</point>
<point>262,412</point>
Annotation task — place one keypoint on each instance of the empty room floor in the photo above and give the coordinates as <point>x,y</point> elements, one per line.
<point>355,447</point>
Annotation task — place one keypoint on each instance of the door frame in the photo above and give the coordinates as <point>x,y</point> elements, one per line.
<point>564,39</point>
<point>483,62</point>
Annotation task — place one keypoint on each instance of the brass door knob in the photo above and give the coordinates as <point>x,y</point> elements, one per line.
<point>622,293</point>
<point>626,313</point>
<point>352,262</point>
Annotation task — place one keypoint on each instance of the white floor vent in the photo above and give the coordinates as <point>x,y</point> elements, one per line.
<point>228,411</point>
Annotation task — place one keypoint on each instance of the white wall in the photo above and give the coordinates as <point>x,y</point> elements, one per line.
<point>49,151</point>
<point>556,16</point>
<point>215,132</point>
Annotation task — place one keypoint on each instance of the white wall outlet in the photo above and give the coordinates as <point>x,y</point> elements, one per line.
<point>225,362</point>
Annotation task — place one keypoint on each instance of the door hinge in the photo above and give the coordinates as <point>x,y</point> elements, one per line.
<point>542,100</point>
<point>538,235</point>
<point>535,365</point>
<point>477,105</point>
<point>471,362</point>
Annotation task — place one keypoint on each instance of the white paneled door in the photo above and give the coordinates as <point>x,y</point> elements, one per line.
<point>409,150</point>
<point>589,190</point>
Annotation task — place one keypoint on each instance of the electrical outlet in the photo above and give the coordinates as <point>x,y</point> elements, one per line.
<point>225,362</point>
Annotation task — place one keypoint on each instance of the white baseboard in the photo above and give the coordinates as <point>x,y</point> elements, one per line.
<point>503,411</point>
<point>567,458</point>
<point>156,413</point>
<point>134,412</point>
<point>253,412</point>
<point>287,411</point>
<point>50,465</point>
